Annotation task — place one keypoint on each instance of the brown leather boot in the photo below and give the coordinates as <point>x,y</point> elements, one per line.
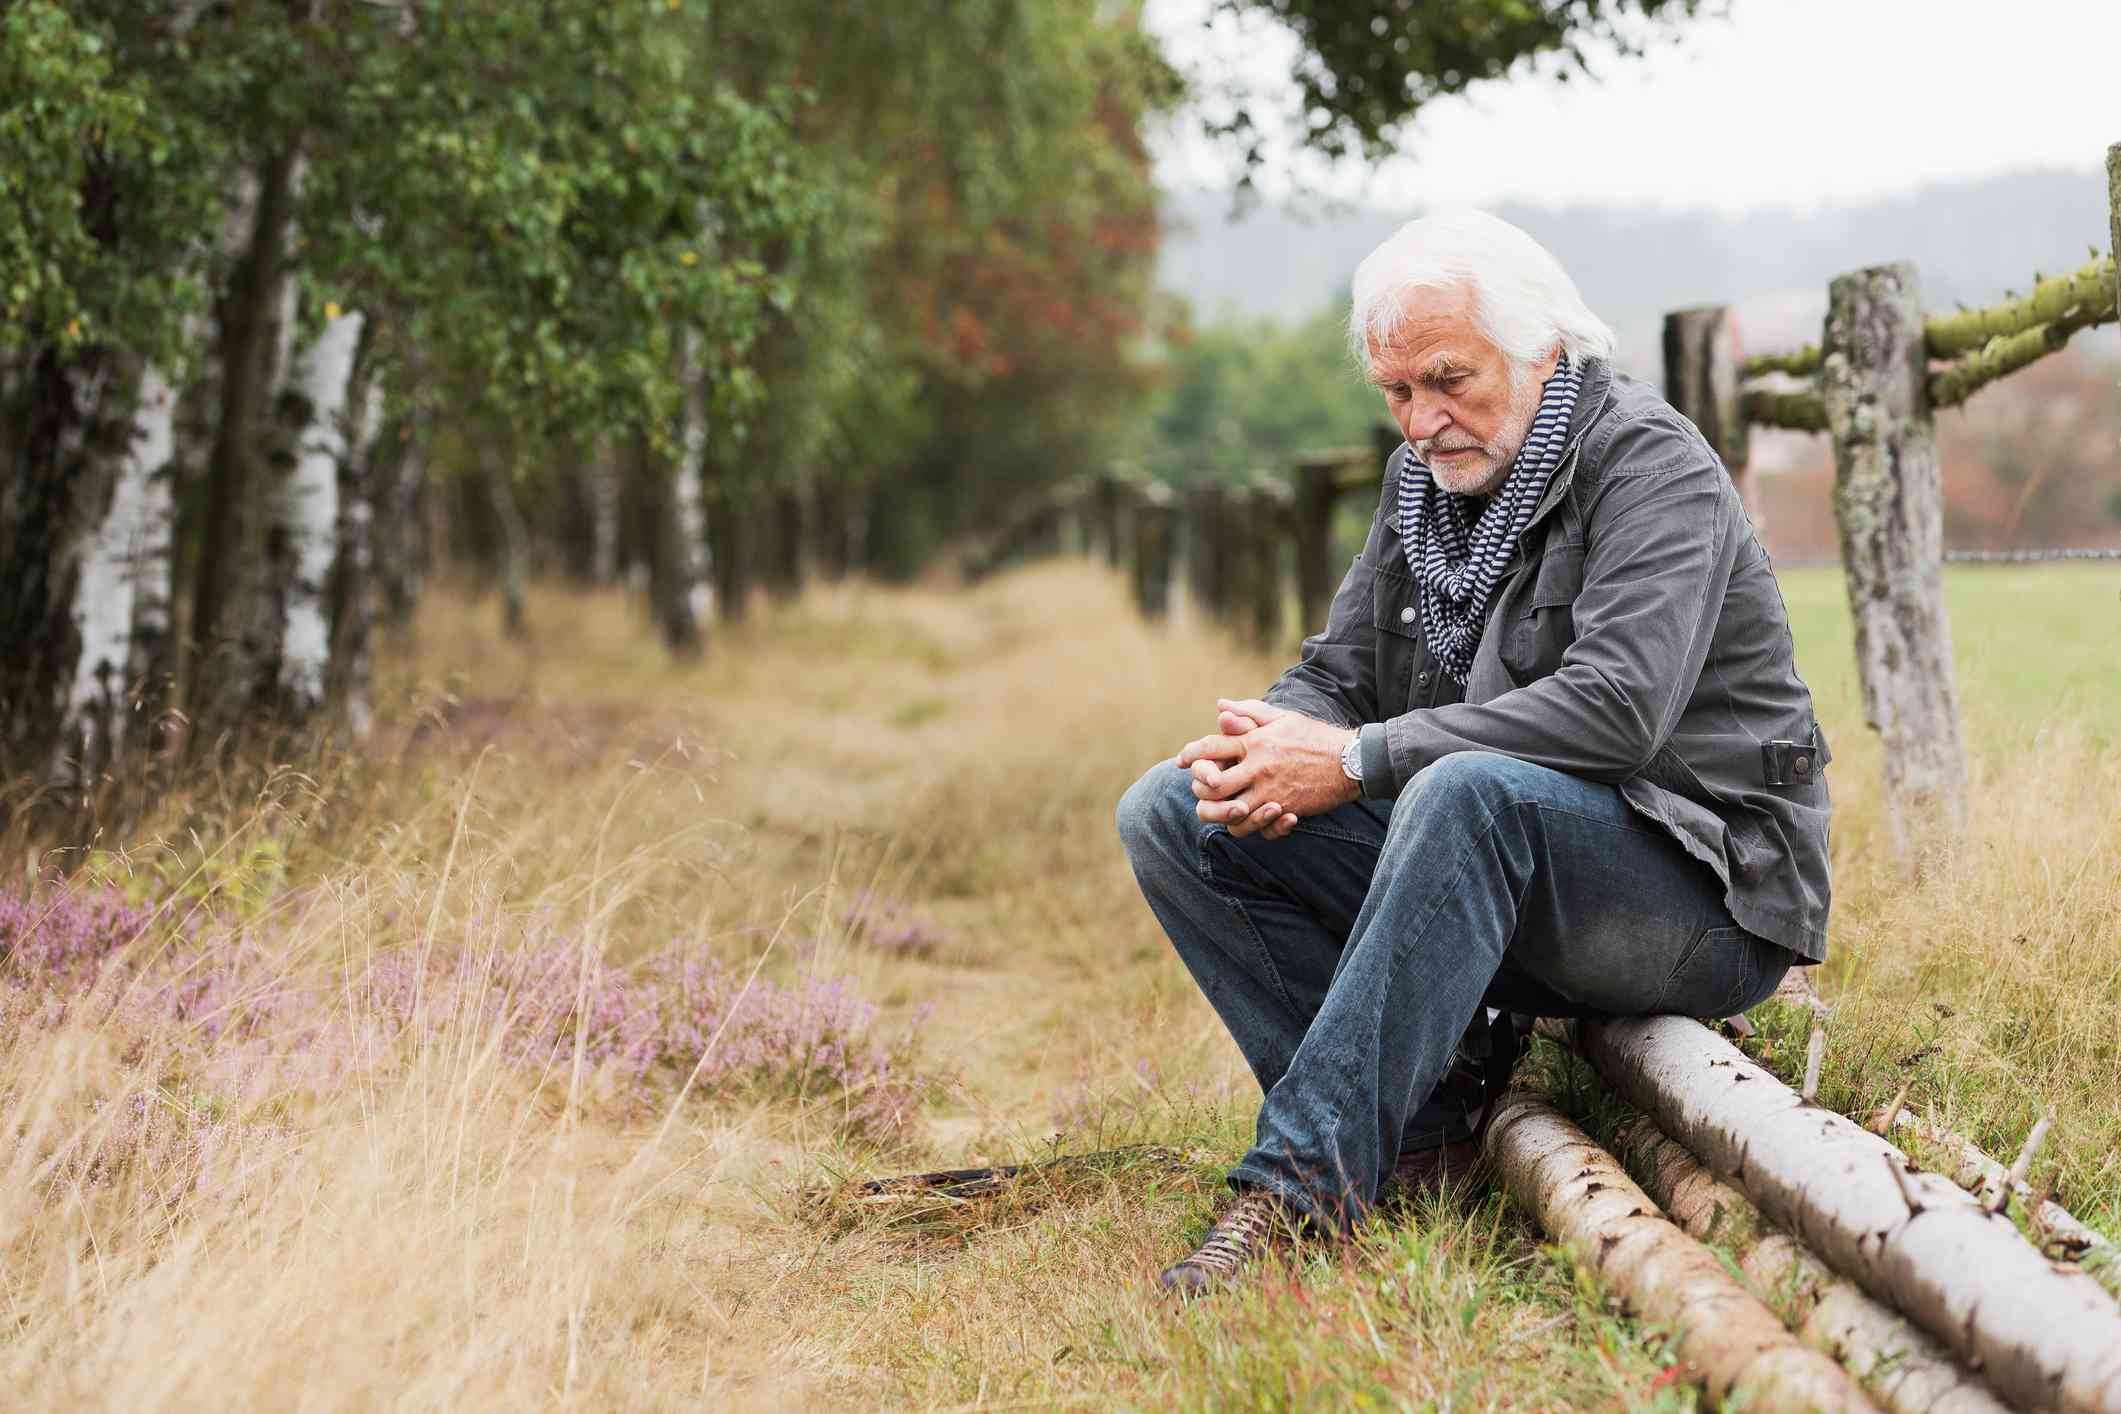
<point>1254,1224</point>
<point>1444,1169</point>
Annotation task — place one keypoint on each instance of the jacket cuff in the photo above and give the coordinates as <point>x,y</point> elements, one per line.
<point>1376,763</point>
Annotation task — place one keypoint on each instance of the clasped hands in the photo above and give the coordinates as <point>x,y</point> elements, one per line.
<point>1266,769</point>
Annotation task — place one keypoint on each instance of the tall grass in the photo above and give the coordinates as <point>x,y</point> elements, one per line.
<point>491,1067</point>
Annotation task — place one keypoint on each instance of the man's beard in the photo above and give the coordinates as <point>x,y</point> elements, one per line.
<point>1484,475</point>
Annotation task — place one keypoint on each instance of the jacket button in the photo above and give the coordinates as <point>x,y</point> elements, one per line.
<point>1406,615</point>
<point>1423,680</point>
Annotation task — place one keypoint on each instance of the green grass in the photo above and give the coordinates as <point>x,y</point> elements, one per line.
<point>2036,645</point>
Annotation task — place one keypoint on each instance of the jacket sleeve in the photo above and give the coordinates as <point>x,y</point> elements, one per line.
<point>1335,680</point>
<point>1659,543</point>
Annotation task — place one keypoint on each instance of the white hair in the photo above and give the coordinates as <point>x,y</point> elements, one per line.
<point>1524,301</point>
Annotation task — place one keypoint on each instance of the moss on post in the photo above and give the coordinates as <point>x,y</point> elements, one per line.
<point>1889,507</point>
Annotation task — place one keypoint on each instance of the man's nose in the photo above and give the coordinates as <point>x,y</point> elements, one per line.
<point>1423,418</point>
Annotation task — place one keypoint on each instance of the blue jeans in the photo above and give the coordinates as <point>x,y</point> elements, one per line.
<point>1348,959</point>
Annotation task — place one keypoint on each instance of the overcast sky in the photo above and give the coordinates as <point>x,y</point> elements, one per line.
<point>1792,103</point>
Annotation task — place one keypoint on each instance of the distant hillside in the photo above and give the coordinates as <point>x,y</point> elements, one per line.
<point>1970,241</point>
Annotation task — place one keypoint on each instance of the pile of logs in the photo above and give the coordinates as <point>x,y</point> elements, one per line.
<point>1901,1289</point>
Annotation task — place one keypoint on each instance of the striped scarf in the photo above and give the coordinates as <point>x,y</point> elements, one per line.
<point>1457,545</point>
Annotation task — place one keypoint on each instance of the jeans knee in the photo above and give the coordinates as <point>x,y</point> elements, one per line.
<point>1467,774</point>
<point>1156,813</point>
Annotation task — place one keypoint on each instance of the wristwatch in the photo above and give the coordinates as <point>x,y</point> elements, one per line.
<point>1351,759</point>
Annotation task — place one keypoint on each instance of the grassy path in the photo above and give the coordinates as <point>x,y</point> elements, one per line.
<point>907,796</point>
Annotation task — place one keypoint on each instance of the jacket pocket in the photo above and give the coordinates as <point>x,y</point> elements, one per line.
<point>1539,622</point>
<point>1396,618</point>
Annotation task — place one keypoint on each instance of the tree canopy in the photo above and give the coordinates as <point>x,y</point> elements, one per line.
<point>1368,66</point>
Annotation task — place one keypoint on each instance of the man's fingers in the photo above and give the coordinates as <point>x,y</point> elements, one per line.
<point>1260,712</point>
<point>1223,812</point>
<point>1212,748</point>
<point>1255,820</point>
<point>1222,782</point>
<point>1234,724</point>
<point>1283,827</point>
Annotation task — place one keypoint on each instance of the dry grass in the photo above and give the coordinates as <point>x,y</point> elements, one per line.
<point>436,1224</point>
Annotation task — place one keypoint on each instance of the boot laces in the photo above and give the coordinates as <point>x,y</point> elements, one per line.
<point>1238,1235</point>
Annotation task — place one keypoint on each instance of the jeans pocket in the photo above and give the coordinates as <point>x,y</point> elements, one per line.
<point>1715,976</point>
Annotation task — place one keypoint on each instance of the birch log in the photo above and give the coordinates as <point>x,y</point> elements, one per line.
<point>307,515</point>
<point>1728,1342</point>
<point>1915,1240</point>
<point>1904,1369</point>
<point>1889,509</point>
<point>1987,1179</point>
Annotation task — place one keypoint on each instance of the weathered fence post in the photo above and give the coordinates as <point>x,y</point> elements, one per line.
<point>1889,506</point>
<point>1701,361</point>
<point>1266,534</point>
<point>1206,548</point>
<point>1105,518</point>
<point>1312,520</point>
<point>1154,524</point>
<point>2113,201</point>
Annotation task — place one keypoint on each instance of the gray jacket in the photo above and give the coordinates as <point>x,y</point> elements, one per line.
<point>1638,636</point>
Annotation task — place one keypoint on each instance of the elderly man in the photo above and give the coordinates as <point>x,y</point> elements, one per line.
<point>1550,754</point>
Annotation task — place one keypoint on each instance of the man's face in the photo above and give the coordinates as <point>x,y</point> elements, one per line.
<point>1449,390</point>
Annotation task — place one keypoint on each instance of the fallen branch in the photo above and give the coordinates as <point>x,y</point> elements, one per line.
<point>2020,1167</point>
<point>1981,1175</point>
<point>1727,1341</point>
<point>1915,1240</point>
<point>1903,1368</point>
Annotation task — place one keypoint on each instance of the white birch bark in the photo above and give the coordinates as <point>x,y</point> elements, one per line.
<point>1728,1342</point>
<point>694,564</point>
<point>353,613</point>
<point>308,512</point>
<point>1904,1369</point>
<point>107,582</point>
<point>2043,1336</point>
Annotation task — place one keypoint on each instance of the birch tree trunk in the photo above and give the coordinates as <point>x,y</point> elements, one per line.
<point>351,603</point>
<point>603,474</point>
<point>499,491</point>
<point>1889,507</point>
<point>399,538</point>
<point>107,589</point>
<point>1914,1240</point>
<point>228,669</point>
<point>1728,1342</point>
<point>153,566</point>
<point>306,515</point>
<point>1905,1370</point>
<point>685,597</point>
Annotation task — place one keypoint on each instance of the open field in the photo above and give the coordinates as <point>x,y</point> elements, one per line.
<point>489,1068</point>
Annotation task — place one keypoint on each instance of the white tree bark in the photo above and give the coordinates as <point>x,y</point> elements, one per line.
<point>307,510</point>
<point>153,548</point>
<point>1729,1343</point>
<point>686,595</point>
<point>109,581</point>
<point>352,609</point>
<point>1915,1240</point>
<point>1904,1369</point>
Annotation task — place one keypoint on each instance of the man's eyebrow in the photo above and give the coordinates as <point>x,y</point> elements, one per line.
<point>1439,369</point>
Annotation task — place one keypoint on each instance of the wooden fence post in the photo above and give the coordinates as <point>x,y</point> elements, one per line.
<point>1889,506</point>
<point>1266,533</point>
<point>1105,514</point>
<point>1206,548</point>
<point>1154,525</point>
<point>1312,520</point>
<point>1701,362</point>
<point>2113,200</point>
